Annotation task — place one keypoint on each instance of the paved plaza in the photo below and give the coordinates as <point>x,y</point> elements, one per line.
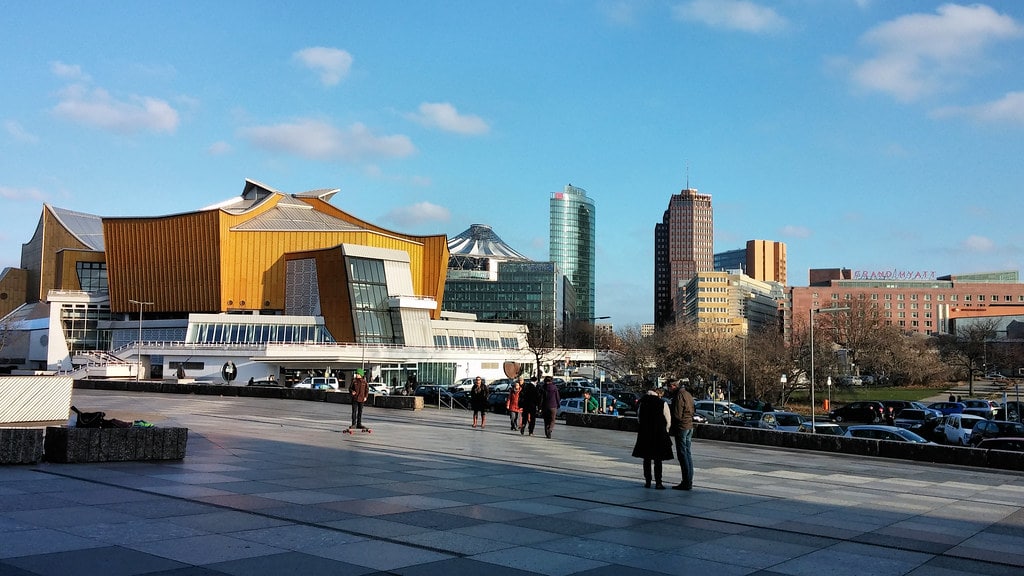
<point>272,487</point>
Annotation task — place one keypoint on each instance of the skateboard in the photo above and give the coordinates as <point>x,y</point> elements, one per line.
<point>364,429</point>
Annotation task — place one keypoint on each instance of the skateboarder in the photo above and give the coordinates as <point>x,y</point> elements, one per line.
<point>359,390</point>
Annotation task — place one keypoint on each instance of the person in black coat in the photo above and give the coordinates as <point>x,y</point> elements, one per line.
<point>653,442</point>
<point>478,401</point>
<point>529,400</point>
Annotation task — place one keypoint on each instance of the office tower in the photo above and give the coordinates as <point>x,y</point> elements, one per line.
<point>683,247</point>
<point>766,260</point>
<point>572,243</point>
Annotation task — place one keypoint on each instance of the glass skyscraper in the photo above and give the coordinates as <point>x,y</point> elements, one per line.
<point>572,243</point>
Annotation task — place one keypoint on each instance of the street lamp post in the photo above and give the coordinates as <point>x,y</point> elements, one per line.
<point>593,324</point>
<point>812,313</point>
<point>138,343</point>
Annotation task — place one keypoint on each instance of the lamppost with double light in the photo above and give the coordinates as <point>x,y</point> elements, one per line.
<point>812,313</point>
<point>138,343</point>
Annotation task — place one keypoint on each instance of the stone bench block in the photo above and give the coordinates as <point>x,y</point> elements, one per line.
<point>21,445</point>
<point>68,445</point>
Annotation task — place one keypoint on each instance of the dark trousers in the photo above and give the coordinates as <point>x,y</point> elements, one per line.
<point>529,420</point>
<point>647,470</point>
<point>549,420</point>
<point>357,414</point>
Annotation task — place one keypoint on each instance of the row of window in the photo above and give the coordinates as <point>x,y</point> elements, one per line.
<point>223,333</point>
<point>938,297</point>
<point>480,343</point>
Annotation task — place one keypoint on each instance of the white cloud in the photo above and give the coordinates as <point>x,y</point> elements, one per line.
<point>19,133</point>
<point>331,63</point>
<point>1008,109</point>
<point>978,244</point>
<point>68,71</point>
<point>731,15</point>
<point>417,215</point>
<point>919,54</point>
<point>620,12</point>
<point>444,116</point>
<point>19,194</point>
<point>219,148</point>
<point>321,141</point>
<point>96,107</point>
<point>792,231</point>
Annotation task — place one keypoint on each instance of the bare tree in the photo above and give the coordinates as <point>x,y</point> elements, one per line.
<point>966,350</point>
<point>542,343</point>
<point>636,354</point>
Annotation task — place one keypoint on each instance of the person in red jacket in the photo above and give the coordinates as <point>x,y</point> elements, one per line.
<point>512,404</point>
<point>360,390</point>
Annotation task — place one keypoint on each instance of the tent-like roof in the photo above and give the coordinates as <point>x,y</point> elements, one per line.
<point>479,240</point>
<point>88,228</point>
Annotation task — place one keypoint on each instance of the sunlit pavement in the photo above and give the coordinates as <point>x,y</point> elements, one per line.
<point>273,487</point>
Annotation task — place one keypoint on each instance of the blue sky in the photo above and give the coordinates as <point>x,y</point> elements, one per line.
<point>865,134</point>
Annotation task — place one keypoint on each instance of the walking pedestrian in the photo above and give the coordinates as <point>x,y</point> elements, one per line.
<point>512,404</point>
<point>682,431</point>
<point>478,401</point>
<point>653,441</point>
<point>529,400</point>
<point>359,390</point>
<point>549,404</point>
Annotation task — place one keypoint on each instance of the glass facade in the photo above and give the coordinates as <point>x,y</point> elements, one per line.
<point>368,290</point>
<point>530,293</point>
<point>81,326</point>
<point>572,243</point>
<point>92,276</point>
<point>249,333</point>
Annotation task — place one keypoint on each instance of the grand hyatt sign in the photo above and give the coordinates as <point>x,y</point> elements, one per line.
<point>894,274</point>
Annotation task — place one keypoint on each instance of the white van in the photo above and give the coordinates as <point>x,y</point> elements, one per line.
<point>319,383</point>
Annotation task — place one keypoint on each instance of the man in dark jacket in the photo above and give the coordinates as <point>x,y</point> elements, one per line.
<point>529,400</point>
<point>682,430</point>
<point>549,404</point>
<point>359,390</point>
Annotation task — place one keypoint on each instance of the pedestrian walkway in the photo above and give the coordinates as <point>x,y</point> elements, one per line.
<point>272,487</point>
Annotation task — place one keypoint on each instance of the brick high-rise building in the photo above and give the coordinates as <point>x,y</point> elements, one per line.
<point>683,246</point>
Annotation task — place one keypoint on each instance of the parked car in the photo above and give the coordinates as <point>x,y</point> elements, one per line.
<point>957,428</point>
<point>496,402</point>
<point>860,411</point>
<point>995,429</point>
<point>378,388</point>
<point>318,383</point>
<point>894,407</point>
<point>266,383</point>
<point>501,385</point>
<point>781,421</point>
<point>434,394</point>
<point>756,404</point>
<point>631,398</point>
<point>948,408</point>
<point>891,433</point>
<point>622,408</point>
<point>1011,444</point>
<point>569,405</point>
<point>821,428</point>
<point>748,418</point>
<point>1011,410</point>
<point>463,384</point>
<point>980,407</point>
<point>716,412</point>
<point>921,422</point>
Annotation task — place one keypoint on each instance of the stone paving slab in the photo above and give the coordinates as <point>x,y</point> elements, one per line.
<point>272,487</point>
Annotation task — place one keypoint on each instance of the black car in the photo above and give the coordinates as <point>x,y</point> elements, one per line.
<point>995,429</point>
<point>496,402</point>
<point>266,383</point>
<point>861,411</point>
<point>756,404</point>
<point>916,420</point>
<point>631,398</point>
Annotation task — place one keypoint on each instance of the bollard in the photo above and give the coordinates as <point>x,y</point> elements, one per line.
<point>824,404</point>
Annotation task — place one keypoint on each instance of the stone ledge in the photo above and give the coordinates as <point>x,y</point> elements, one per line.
<point>68,445</point>
<point>395,402</point>
<point>935,453</point>
<point>21,445</point>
